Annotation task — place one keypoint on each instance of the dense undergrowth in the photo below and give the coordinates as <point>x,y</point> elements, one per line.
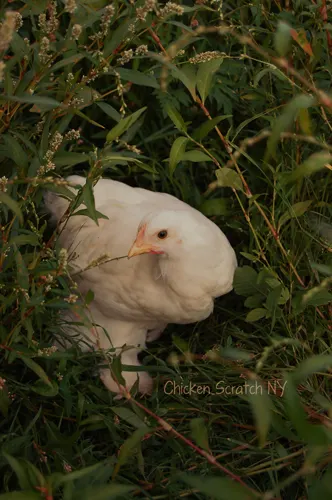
<point>227,105</point>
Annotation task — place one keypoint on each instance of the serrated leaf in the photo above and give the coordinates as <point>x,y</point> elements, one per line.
<point>226,177</point>
<point>12,205</point>
<point>245,281</point>
<point>295,210</point>
<point>175,117</point>
<point>206,127</point>
<point>218,488</point>
<point>199,433</point>
<point>283,38</point>
<point>204,76</point>
<point>177,150</point>
<point>256,314</point>
<point>124,125</point>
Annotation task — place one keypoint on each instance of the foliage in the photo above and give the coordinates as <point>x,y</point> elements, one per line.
<point>226,105</point>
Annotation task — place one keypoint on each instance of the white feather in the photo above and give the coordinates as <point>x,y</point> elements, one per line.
<point>132,296</point>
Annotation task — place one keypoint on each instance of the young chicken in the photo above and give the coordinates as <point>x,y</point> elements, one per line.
<point>178,262</point>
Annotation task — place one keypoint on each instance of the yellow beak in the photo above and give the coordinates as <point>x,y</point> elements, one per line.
<point>138,250</point>
<point>139,247</point>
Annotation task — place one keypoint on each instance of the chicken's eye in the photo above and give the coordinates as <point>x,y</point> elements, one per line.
<point>162,234</point>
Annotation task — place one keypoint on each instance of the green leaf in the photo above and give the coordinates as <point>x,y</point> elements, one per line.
<point>130,417</point>
<point>199,433</point>
<point>87,118</point>
<point>20,495</point>
<point>38,370</point>
<point>109,110</point>
<point>295,210</point>
<point>22,271</point>
<point>81,473</point>
<point>25,239</point>
<point>218,488</point>
<point>85,212</point>
<point>138,78</point>
<point>12,205</point>
<point>66,62</point>
<point>317,296</point>
<point>4,402</point>
<point>283,38</point>
<point>175,117</point>
<point>67,159</point>
<point>89,296</point>
<point>216,206</point>
<point>20,471</point>
<point>89,200</point>
<point>45,102</point>
<point>207,126</point>
<point>321,487</point>
<point>226,177</point>
<point>313,164</point>
<point>245,281</point>
<point>313,434</point>
<point>261,405</point>
<point>129,446</point>
<point>195,155</point>
<point>14,151</point>
<point>44,390</point>
<point>317,363</point>
<point>124,125</point>
<point>187,75</point>
<point>176,153</point>
<point>205,74</point>
<point>256,314</point>
<point>286,119</point>
<point>254,301</point>
<point>117,37</point>
<point>104,492</point>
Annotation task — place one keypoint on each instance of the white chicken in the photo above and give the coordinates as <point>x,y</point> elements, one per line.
<point>178,263</point>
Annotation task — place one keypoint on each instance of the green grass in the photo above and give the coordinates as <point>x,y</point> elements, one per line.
<point>263,174</point>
